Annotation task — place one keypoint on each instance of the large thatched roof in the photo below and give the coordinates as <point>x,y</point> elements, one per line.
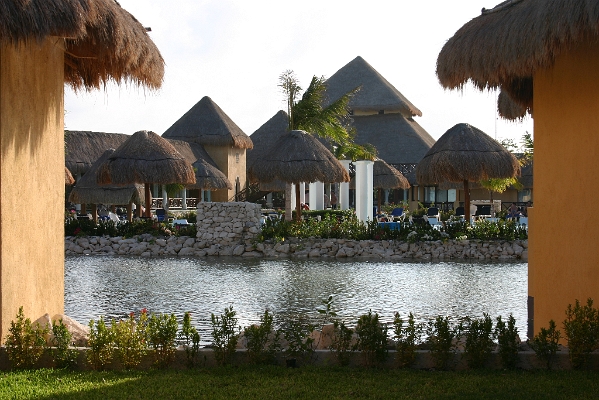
<point>465,153</point>
<point>87,189</point>
<point>102,41</point>
<point>207,124</point>
<point>384,176</point>
<point>208,176</point>
<point>375,93</point>
<point>297,157</point>
<point>265,136</point>
<point>83,148</point>
<point>504,46</point>
<point>398,140</point>
<point>145,158</point>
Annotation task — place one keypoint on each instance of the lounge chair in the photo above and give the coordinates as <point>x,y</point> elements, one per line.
<point>160,214</point>
<point>397,214</point>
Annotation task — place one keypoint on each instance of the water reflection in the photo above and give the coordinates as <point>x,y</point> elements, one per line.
<point>115,286</point>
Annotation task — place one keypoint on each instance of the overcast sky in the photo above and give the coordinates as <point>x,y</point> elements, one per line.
<point>234,51</point>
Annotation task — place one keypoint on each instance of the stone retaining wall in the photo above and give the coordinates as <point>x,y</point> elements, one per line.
<point>230,229</point>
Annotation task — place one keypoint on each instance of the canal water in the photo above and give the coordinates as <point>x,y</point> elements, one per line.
<point>115,286</point>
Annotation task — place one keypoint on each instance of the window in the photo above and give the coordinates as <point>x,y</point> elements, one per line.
<point>429,194</point>
<point>237,158</point>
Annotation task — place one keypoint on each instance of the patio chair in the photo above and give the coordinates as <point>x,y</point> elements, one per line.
<point>435,223</point>
<point>459,211</point>
<point>397,214</point>
<point>160,214</point>
<point>433,212</point>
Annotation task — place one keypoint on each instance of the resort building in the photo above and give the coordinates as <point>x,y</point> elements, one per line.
<point>545,57</point>
<point>384,117</point>
<point>207,124</point>
<point>43,45</point>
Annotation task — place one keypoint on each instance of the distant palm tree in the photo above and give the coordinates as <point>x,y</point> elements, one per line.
<point>330,123</point>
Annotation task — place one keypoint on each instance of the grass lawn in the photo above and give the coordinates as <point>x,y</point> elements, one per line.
<point>255,382</point>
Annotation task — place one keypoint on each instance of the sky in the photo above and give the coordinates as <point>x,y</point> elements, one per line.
<point>235,50</point>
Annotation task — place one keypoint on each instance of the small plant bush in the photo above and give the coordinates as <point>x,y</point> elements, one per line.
<point>100,344</point>
<point>372,338</point>
<point>130,341</point>
<point>225,334</point>
<point>545,344</point>
<point>191,340</point>
<point>299,343</point>
<point>342,341</point>
<point>479,341</point>
<point>407,337</point>
<point>63,353</point>
<point>25,343</point>
<point>508,341</point>
<point>262,341</point>
<point>441,337</point>
<point>162,335</point>
<point>581,329</point>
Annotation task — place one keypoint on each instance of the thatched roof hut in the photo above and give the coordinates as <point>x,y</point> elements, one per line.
<point>145,157</point>
<point>298,157</point>
<point>102,40</point>
<point>208,176</point>
<point>524,35</point>
<point>68,177</point>
<point>207,124</point>
<point>88,190</point>
<point>265,136</point>
<point>375,93</point>
<point>83,148</point>
<point>466,154</point>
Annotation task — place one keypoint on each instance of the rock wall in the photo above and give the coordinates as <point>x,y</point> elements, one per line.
<point>229,229</point>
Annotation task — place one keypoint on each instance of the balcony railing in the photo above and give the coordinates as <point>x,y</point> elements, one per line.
<point>175,203</point>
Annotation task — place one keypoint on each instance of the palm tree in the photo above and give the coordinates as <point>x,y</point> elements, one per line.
<point>330,123</point>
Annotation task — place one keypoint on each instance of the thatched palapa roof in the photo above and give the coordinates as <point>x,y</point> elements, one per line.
<point>145,158</point>
<point>298,157</point>
<point>466,153</point>
<point>504,46</point>
<point>102,40</point>
<point>375,93</point>
<point>384,176</point>
<point>208,176</point>
<point>265,136</point>
<point>88,190</point>
<point>207,124</point>
<point>68,177</point>
<point>509,109</point>
<point>83,148</point>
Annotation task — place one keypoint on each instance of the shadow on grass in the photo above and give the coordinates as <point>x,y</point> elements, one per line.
<point>255,382</point>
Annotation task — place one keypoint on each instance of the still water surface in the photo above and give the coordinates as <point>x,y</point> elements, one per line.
<point>116,286</point>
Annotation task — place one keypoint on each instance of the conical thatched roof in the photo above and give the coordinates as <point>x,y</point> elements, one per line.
<point>265,136</point>
<point>68,177</point>
<point>207,124</point>
<point>207,174</point>
<point>102,40</point>
<point>384,176</point>
<point>297,157</point>
<point>375,94</point>
<point>146,158</point>
<point>505,45</point>
<point>87,189</point>
<point>83,148</point>
<point>509,109</point>
<point>466,153</point>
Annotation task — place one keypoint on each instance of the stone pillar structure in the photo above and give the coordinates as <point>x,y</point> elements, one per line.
<point>343,197</point>
<point>364,187</point>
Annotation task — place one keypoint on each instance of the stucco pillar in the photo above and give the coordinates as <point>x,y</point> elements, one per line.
<point>184,198</point>
<point>316,196</point>
<point>164,198</point>
<point>364,187</point>
<point>303,192</point>
<point>344,189</point>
